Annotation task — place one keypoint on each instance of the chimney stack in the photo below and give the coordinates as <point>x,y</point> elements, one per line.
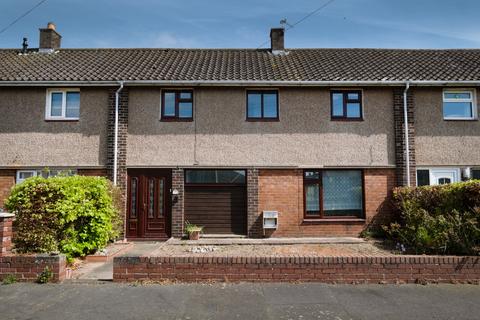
<point>50,39</point>
<point>277,41</point>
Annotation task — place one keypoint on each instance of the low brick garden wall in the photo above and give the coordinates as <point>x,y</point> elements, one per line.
<point>401,269</point>
<point>26,268</point>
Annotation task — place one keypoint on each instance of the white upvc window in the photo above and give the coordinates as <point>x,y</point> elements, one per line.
<point>459,105</point>
<point>22,175</point>
<point>63,104</point>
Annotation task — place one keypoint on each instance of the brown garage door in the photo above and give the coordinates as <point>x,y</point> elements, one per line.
<point>221,208</point>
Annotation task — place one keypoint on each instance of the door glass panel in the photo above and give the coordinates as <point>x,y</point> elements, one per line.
<point>161,192</point>
<point>133,201</point>
<point>151,197</point>
<point>444,180</point>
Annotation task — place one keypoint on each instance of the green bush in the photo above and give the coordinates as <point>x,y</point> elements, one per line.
<point>75,215</point>
<point>441,219</point>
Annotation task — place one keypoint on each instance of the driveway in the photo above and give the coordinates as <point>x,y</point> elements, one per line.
<point>238,301</point>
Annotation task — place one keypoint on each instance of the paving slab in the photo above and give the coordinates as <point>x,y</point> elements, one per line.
<point>267,241</point>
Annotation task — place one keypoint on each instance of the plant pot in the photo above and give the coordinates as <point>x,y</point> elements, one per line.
<point>194,235</point>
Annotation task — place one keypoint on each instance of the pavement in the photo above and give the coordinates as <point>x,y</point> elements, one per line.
<point>106,300</point>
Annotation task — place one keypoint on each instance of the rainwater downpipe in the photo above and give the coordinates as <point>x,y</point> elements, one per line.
<point>407,142</point>
<point>115,142</point>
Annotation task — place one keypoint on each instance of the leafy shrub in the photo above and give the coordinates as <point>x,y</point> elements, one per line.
<point>45,276</point>
<point>75,215</point>
<point>441,219</point>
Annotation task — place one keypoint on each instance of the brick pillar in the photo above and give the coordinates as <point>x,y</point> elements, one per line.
<point>6,233</point>
<point>178,217</point>
<point>7,181</point>
<point>122,141</point>
<point>400,154</point>
<point>254,223</point>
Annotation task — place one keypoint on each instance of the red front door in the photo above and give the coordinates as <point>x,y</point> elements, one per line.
<point>148,212</point>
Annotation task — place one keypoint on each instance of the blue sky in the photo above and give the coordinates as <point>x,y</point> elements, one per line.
<point>246,23</point>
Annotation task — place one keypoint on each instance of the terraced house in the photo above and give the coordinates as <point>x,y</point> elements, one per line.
<point>312,139</point>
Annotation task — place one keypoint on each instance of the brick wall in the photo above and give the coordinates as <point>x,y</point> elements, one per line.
<point>122,142</point>
<point>26,268</point>
<point>7,181</point>
<point>282,190</point>
<point>399,123</point>
<point>177,207</point>
<point>100,172</point>
<point>388,269</point>
<point>254,222</point>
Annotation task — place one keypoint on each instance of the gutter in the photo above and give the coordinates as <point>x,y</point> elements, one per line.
<point>115,143</point>
<point>407,142</point>
<point>238,83</point>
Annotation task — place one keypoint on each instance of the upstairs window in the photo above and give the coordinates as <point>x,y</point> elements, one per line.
<point>63,104</point>
<point>262,105</point>
<point>346,105</point>
<point>458,105</point>
<point>177,105</point>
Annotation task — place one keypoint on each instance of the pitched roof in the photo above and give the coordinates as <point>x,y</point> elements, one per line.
<point>241,65</point>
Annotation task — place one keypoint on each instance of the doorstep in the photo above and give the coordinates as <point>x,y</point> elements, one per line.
<point>111,251</point>
<point>266,241</point>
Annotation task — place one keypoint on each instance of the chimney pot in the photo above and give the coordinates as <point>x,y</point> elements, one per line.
<point>277,39</point>
<point>50,39</point>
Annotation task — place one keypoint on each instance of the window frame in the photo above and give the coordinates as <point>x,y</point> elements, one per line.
<point>262,118</point>
<point>321,215</point>
<point>48,104</point>
<point>178,100</point>
<point>473,102</point>
<point>345,101</point>
<point>433,171</point>
<point>17,177</point>
<point>214,184</point>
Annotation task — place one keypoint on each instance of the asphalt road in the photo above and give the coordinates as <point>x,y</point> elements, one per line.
<point>238,301</point>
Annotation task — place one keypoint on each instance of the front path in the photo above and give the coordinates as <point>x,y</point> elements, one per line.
<point>239,301</point>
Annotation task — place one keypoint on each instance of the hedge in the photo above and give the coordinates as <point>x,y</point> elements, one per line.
<point>443,219</point>
<point>75,215</point>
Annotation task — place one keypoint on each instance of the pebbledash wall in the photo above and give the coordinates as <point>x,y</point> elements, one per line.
<point>375,144</point>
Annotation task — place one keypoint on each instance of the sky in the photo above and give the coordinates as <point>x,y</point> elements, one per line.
<point>246,23</point>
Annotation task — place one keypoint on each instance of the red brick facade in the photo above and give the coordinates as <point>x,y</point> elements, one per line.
<point>282,190</point>
<point>7,181</point>
<point>386,269</point>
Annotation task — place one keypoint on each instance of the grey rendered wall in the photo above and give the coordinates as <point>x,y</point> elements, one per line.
<point>27,140</point>
<point>439,142</point>
<point>304,136</point>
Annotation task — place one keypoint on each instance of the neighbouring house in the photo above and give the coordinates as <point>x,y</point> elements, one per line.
<point>315,137</point>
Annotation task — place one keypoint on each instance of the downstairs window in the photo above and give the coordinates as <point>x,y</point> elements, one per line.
<point>333,193</point>
<point>22,175</point>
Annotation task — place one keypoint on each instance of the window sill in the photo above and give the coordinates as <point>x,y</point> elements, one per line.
<point>62,120</point>
<point>176,120</point>
<point>347,119</point>
<point>460,119</point>
<point>263,120</point>
<point>332,220</point>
